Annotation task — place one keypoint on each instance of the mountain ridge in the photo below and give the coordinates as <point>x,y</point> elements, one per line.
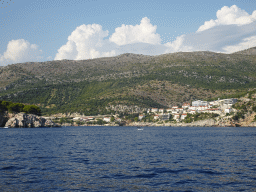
<point>161,80</point>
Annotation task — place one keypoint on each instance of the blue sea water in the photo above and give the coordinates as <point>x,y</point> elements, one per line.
<point>127,159</point>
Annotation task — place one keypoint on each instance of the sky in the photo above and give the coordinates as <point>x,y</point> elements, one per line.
<point>36,30</point>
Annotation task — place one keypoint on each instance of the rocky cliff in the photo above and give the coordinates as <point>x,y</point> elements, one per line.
<point>23,120</point>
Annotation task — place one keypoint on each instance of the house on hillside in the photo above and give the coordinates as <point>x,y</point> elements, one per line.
<point>192,107</point>
<point>169,110</point>
<point>156,117</point>
<point>161,110</point>
<point>107,119</point>
<point>84,119</point>
<point>76,119</point>
<point>183,116</point>
<point>214,110</point>
<point>179,110</point>
<point>176,116</point>
<point>228,110</point>
<point>165,117</point>
<point>192,112</point>
<point>154,110</point>
<point>185,105</point>
<point>118,119</point>
<point>199,103</point>
<point>141,116</point>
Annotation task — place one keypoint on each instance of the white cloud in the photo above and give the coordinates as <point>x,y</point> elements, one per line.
<point>85,42</point>
<point>229,16</point>
<point>129,34</point>
<point>178,45</point>
<point>233,30</point>
<point>245,44</point>
<point>19,51</point>
<point>223,38</point>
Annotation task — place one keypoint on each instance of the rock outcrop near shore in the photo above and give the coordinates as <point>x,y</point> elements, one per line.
<point>24,120</point>
<point>3,119</point>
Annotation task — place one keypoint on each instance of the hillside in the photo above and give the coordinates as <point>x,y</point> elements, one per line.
<point>250,51</point>
<point>88,86</point>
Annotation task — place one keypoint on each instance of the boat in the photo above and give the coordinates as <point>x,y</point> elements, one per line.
<point>139,128</point>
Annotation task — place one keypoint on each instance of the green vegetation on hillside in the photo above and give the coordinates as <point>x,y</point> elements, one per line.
<point>90,86</point>
<point>199,116</point>
<point>90,98</point>
<point>18,107</point>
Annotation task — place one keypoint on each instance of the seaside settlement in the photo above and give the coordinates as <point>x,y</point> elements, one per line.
<point>187,114</point>
<point>220,113</point>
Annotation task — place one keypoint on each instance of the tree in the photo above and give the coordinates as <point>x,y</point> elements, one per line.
<point>15,107</point>
<point>100,122</point>
<point>32,109</point>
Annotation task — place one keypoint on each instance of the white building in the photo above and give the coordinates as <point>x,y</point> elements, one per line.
<point>141,117</point>
<point>169,110</point>
<point>192,107</point>
<point>154,110</point>
<point>199,103</point>
<point>183,116</point>
<point>179,110</point>
<point>107,119</point>
<point>176,116</point>
<point>76,119</point>
<point>192,111</point>
<point>185,105</point>
<point>228,110</point>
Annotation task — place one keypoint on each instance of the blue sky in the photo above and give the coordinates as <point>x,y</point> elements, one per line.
<point>36,30</point>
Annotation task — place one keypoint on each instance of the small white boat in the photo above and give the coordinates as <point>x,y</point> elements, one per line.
<point>5,127</point>
<point>139,128</point>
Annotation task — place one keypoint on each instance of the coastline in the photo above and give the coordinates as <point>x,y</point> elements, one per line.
<point>203,123</point>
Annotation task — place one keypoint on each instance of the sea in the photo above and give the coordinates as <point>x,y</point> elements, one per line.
<point>128,159</point>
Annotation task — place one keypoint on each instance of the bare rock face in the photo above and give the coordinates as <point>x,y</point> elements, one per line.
<point>12,122</point>
<point>49,123</point>
<point>204,123</point>
<point>28,120</point>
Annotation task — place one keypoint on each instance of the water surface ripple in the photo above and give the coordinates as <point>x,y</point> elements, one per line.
<point>125,159</point>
